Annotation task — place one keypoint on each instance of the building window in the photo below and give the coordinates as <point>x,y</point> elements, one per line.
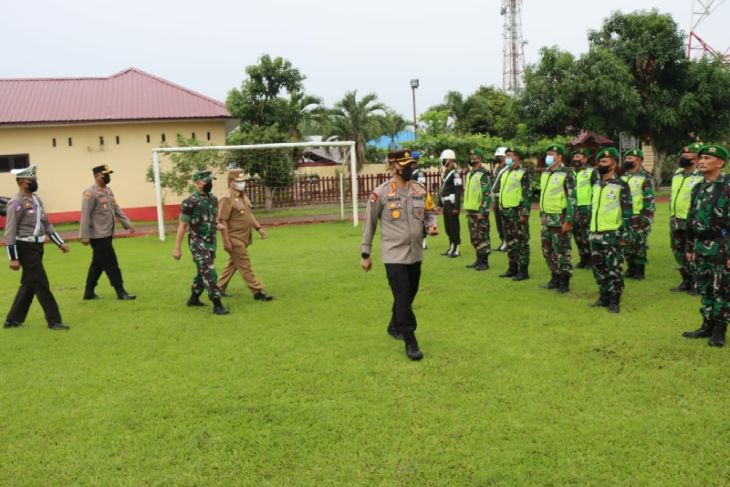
<point>70,142</point>
<point>163,137</point>
<point>148,138</point>
<point>193,136</point>
<point>101,140</point>
<point>16,161</point>
<point>54,142</point>
<point>208,135</point>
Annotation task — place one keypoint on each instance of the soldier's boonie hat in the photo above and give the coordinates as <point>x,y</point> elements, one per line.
<point>25,173</point>
<point>714,150</point>
<point>477,152</point>
<point>634,152</point>
<point>608,152</point>
<point>556,148</point>
<point>401,157</point>
<point>514,149</point>
<point>692,148</point>
<point>103,169</point>
<point>238,175</point>
<point>202,175</point>
<point>585,151</point>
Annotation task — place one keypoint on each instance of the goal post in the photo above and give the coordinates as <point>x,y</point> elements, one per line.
<point>283,145</point>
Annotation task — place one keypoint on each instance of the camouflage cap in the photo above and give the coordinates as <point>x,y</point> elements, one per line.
<point>608,152</point>
<point>198,175</point>
<point>401,157</point>
<point>692,148</point>
<point>714,150</point>
<point>634,152</point>
<point>556,148</point>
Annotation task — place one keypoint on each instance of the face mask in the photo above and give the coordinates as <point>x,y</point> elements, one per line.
<point>240,186</point>
<point>549,160</point>
<point>509,162</point>
<point>603,169</point>
<point>207,186</point>
<point>628,164</point>
<point>32,186</point>
<point>684,162</point>
<point>407,173</point>
<point>106,178</point>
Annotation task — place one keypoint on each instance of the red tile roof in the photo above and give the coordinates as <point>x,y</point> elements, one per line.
<point>128,95</point>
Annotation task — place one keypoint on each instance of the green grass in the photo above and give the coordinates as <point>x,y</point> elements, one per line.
<point>519,386</point>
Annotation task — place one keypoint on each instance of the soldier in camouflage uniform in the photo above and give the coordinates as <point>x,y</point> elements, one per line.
<point>610,229</point>
<point>557,211</point>
<point>585,177</point>
<point>685,178</point>
<point>641,184</point>
<point>198,216</point>
<point>514,191</point>
<point>708,227</point>
<point>477,202</point>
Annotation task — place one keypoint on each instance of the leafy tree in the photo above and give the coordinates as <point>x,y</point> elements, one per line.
<point>491,111</point>
<point>434,122</point>
<point>392,124</point>
<point>357,120</point>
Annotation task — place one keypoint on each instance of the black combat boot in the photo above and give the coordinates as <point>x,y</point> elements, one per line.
<point>59,327</point>
<point>582,263</point>
<point>685,285</point>
<point>639,272</point>
<point>522,274</point>
<point>448,252</point>
<point>124,295</point>
<point>12,324</point>
<point>90,294</point>
<point>587,264</point>
<point>473,264</point>
<point>704,331</point>
<point>482,262</point>
<point>393,331</point>
<point>262,296</point>
<point>718,335</point>
<point>630,271</point>
<point>218,308</point>
<point>194,300</point>
<point>511,271</point>
<point>412,350</point>
<point>613,303</point>
<point>553,282</point>
<point>602,301</point>
<point>692,291</point>
<point>563,284</point>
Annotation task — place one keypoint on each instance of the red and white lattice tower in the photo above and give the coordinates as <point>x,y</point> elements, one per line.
<point>696,46</point>
<point>513,46</point>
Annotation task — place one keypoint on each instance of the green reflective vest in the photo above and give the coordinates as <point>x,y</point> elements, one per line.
<point>510,188</point>
<point>473,190</point>
<point>635,183</point>
<point>584,188</point>
<point>552,192</point>
<point>606,215</point>
<point>682,185</point>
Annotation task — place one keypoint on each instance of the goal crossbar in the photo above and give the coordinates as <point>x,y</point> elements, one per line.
<point>283,145</point>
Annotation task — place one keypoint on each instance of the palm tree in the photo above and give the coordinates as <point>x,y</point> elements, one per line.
<point>457,108</point>
<point>392,124</point>
<point>356,120</point>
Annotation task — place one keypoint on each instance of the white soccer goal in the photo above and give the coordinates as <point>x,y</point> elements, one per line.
<point>285,145</point>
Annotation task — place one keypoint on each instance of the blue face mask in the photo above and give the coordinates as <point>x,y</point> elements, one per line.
<point>509,162</point>
<point>549,160</point>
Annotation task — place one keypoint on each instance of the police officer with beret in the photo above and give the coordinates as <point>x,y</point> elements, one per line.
<point>99,210</point>
<point>26,229</point>
<point>404,208</point>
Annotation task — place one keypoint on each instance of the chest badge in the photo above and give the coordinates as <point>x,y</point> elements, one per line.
<point>395,214</point>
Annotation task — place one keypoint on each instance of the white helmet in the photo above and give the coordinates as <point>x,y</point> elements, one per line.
<point>500,152</point>
<point>447,154</point>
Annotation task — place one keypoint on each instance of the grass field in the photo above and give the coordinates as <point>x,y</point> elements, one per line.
<point>519,386</point>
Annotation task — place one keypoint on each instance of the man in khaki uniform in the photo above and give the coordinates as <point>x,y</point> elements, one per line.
<point>404,208</point>
<point>99,210</point>
<point>234,212</point>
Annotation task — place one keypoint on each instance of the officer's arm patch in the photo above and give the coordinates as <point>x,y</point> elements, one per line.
<point>87,195</point>
<point>373,198</point>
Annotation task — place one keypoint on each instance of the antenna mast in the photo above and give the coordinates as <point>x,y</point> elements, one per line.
<point>513,46</point>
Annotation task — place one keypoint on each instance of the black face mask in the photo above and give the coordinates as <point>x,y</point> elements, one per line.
<point>685,162</point>
<point>207,186</point>
<point>628,164</point>
<point>106,178</point>
<point>407,173</point>
<point>603,169</point>
<point>33,186</point>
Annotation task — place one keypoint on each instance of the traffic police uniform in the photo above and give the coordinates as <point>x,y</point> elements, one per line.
<point>99,210</point>
<point>682,184</point>
<point>641,184</point>
<point>26,229</point>
<point>235,213</point>
<point>497,210</point>
<point>477,202</point>
<point>708,227</point>
<point>403,213</point>
<point>514,200</point>
<point>586,177</point>
<point>557,207</point>
<point>450,202</point>
<point>611,212</point>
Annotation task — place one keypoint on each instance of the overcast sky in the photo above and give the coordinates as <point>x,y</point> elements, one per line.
<point>368,45</point>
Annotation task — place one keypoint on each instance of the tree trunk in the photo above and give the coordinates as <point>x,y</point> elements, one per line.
<point>268,198</point>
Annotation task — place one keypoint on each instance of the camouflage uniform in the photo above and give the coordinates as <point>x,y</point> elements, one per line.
<point>635,252</point>
<point>708,225</point>
<point>556,246</point>
<point>606,256</point>
<point>516,234</point>
<point>199,212</point>
<point>479,227</point>
<point>582,220</point>
<point>678,226</point>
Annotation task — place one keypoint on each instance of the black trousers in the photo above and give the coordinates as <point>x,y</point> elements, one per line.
<point>103,259</point>
<point>498,219</point>
<point>33,282</point>
<point>404,280</point>
<point>451,223</point>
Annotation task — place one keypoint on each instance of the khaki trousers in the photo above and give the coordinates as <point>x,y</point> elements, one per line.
<point>238,260</point>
